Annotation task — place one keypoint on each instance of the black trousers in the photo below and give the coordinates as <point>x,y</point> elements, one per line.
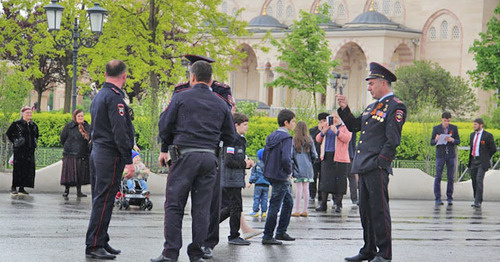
<point>233,210</point>
<point>195,172</point>
<point>477,176</point>
<point>105,176</point>
<point>215,208</point>
<point>374,213</point>
<point>353,184</point>
<point>313,186</point>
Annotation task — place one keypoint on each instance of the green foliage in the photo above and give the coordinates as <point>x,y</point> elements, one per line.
<point>248,108</point>
<point>426,84</point>
<point>492,120</point>
<point>306,54</point>
<point>486,52</point>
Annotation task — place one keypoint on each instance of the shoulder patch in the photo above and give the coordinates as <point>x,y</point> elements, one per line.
<point>121,109</point>
<point>399,115</point>
<point>230,150</point>
<point>116,91</point>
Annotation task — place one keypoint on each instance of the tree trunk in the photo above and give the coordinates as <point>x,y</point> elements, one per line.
<point>39,100</point>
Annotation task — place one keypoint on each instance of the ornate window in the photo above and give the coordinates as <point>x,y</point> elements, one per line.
<point>331,8</point>
<point>279,9</point>
<point>224,7</point>
<point>455,33</point>
<point>432,33</point>
<point>289,12</point>
<point>398,9</point>
<point>386,6</point>
<point>375,6</point>
<point>269,11</point>
<point>341,10</point>
<point>444,30</point>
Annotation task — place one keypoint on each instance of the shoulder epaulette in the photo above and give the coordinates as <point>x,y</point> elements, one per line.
<point>181,87</point>
<point>116,91</point>
<point>397,100</point>
<point>216,83</point>
<point>181,84</point>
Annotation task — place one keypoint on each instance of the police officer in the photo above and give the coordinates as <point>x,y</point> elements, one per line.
<point>194,123</point>
<point>380,125</point>
<point>112,138</point>
<point>224,92</point>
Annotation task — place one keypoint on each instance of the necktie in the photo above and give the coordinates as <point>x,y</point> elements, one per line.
<point>475,145</point>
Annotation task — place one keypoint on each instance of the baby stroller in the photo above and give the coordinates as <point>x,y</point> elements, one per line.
<point>127,197</point>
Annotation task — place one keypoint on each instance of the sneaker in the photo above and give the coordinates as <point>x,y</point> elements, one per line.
<point>239,241</point>
<point>296,214</point>
<point>303,214</point>
<point>284,237</point>
<point>207,252</point>
<point>264,214</point>
<point>14,192</point>
<point>338,209</point>
<point>23,192</point>
<point>252,233</point>
<point>271,241</point>
<point>450,202</point>
<point>254,214</point>
<point>438,202</point>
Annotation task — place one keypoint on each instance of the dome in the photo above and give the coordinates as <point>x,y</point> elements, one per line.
<point>372,19</point>
<point>265,21</point>
<point>327,23</point>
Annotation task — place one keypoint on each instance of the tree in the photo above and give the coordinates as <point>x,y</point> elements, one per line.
<point>151,37</point>
<point>27,44</point>
<point>14,88</point>
<point>487,56</point>
<point>426,83</point>
<point>306,54</point>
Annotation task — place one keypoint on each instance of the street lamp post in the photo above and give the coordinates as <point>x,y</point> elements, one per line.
<point>96,17</point>
<point>334,80</point>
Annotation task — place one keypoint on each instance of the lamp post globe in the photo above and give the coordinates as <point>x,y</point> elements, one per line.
<point>54,15</point>
<point>96,17</point>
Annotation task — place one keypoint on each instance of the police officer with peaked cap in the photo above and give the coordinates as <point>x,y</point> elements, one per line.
<point>194,123</point>
<point>380,128</point>
<point>224,92</point>
<point>112,140</point>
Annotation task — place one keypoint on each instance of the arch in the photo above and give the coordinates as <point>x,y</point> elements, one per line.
<point>246,78</point>
<point>402,56</point>
<point>432,19</point>
<point>354,64</point>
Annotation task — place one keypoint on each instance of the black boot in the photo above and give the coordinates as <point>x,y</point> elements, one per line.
<point>338,203</point>
<point>79,191</point>
<point>322,206</point>
<point>66,192</point>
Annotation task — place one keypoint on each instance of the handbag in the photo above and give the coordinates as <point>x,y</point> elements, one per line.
<point>19,142</point>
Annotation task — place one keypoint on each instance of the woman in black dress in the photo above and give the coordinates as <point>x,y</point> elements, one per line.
<point>75,138</point>
<point>23,134</point>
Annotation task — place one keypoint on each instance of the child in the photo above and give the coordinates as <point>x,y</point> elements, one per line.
<point>233,179</point>
<point>303,156</point>
<point>277,169</point>
<point>261,189</point>
<point>141,174</point>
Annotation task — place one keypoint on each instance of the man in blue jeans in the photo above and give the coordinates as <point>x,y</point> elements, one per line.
<point>278,169</point>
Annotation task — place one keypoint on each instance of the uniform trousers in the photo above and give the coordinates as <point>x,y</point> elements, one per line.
<point>215,207</point>
<point>477,176</point>
<point>374,213</point>
<point>195,172</point>
<point>105,176</point>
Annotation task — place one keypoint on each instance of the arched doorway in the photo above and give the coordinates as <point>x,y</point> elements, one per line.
<point>246,77</point>
<point>353,63</point>
<point>402,56</point>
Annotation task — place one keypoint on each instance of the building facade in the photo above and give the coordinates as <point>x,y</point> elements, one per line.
<point>391,32</point>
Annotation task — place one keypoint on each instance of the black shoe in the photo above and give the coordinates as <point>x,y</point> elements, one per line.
<point>197,260</point>
<point>65,194</point>
<point>207,252</point>
<point>23,192</point>
<point>476,205</point>
<point>380,259</point>
<point>338,209</point>
<point>358,258</point>
<point>284,237</point>
<point>14,192</point>
<point>271,241</point>
<point>321,208</point>
<point>162,258</point>
<point>80,194</point>
<point>450,202</point>
<point>99,253</point>
<point>238,241</point>
<point>111,250</point>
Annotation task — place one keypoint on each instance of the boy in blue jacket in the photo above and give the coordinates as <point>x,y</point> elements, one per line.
<point>277,159</point>
<point>261,190</point>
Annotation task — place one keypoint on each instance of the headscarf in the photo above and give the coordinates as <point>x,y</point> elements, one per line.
<point>81,128</point>
<point>24,109</point>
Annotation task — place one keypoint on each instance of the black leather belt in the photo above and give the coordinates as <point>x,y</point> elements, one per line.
<point>186,150</point>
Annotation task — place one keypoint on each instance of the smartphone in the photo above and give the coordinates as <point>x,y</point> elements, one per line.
<point>340,90</point>
<point>330,120</point>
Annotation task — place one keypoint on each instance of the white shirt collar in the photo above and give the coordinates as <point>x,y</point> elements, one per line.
<point>389,94</point>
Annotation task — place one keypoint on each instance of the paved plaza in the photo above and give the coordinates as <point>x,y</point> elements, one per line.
<point>46,227</point>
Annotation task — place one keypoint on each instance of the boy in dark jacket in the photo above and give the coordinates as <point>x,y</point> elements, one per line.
<point>278,170</point>
<point>233,179</point>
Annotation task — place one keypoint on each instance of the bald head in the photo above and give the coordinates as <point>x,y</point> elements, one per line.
<point>115,68</point>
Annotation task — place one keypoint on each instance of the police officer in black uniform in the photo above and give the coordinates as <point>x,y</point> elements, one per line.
<point>380,125</point>
<point>224,92</point>
<point>112,137</point>
<point>194,123</point>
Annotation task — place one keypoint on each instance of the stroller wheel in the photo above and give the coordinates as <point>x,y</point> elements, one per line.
<point>119,204</point>
<point>143,205</point>
<point>149,205</point>
<point>126,205</point>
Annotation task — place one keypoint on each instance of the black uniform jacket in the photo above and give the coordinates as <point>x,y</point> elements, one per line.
<point>220,89</point>
<point>447,150</point>
<point>196,118</point>
<point>112,128</point>
<point>380,125</point>
<point>487,148</point>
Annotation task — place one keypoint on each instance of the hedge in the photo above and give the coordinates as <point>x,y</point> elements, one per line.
<point>414,142</point>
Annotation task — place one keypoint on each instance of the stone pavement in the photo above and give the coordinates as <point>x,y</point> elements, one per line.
<point>45,227</point>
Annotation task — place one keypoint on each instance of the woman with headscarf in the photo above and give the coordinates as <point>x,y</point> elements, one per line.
<point>75,138</point>
<point>23,134</point>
